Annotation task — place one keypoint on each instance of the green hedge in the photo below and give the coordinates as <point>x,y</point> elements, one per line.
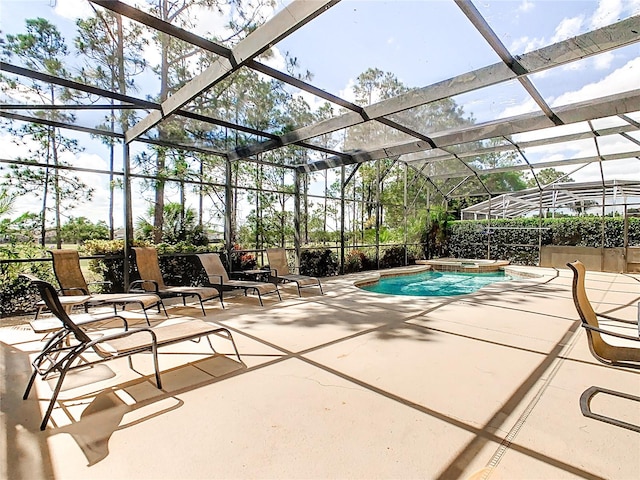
<point>318,263</point>
<point>16,297</point>
<point>395,257</point>
<point>517,240</point>
<point>177,265</point>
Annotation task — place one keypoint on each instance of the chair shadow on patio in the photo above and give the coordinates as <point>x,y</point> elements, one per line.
<point>121,406</point>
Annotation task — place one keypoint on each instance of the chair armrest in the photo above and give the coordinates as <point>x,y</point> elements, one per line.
<point>214,276</point>
<point>615,319</point>
<point>613,334</point>
<point>138,286</point>
<point>101,318</point>
<point>69,291</point>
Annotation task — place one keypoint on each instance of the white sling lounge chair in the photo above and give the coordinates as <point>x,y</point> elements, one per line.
<point>72,347</point>
<point>277,258</point>
<point>219,278</point>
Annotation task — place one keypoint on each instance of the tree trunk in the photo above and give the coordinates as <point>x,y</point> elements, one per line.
<point>45,193</point>
<point>56,190</point>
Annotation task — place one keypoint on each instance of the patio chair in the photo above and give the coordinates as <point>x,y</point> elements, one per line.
<point>277,258</point>
<point>151,280</point>
<point>71,347</point>
<point>66,267</point>
<point>603,351</point>
<point>219,278</point>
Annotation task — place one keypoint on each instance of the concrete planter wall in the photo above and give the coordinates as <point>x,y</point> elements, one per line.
<point>595,259</point>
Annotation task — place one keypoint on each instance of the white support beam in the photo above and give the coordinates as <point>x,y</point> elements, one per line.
<point>550,164</point>
<point>424,157</point>
<point>608,38</point>
<point>579,112</point>
<point>285,22</point>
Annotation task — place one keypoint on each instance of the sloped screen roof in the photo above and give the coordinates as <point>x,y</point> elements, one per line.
<point>474,89</point>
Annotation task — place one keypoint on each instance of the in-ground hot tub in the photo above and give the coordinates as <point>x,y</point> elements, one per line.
<point>464,265</point>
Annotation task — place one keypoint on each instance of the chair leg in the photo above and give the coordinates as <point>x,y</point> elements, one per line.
<point>54,397</point>
<point>229,337</point>
<point>233,343</point>
<point>30,384</point>
<point>585,407</point>
<point>146,317</point>
<point>38,310</point>
<point>201,305</point>
<point>156,366</point>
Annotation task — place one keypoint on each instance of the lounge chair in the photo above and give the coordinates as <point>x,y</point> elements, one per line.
<point>68,348</point>
<point>280,273</point>
<point>66,266</point>
<point>603,351</point>
<point>219,278</point>
<point>151,280</point>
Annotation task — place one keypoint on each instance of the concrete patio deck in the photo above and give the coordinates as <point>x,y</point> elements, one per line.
<point>346,385</point>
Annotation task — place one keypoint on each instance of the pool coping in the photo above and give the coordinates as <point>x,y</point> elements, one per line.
<point>411,270</point>
<point>470,265</point>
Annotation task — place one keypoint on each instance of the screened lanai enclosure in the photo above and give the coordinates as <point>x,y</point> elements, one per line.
<point>354,126</point>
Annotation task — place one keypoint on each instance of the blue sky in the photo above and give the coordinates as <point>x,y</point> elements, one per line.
<point>423,42</point>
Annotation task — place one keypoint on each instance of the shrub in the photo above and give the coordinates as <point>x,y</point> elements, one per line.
<point>395,256</point>
<point>179,265</point>
<point>518,242</point>
<point>240,260</point>
<point>354,261</point>
<point>177,269</point>
<point>318,263</point>
<point>110,268</point>
<point>16,297</point>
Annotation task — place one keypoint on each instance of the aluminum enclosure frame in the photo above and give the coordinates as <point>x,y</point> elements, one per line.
<point>427,148</point>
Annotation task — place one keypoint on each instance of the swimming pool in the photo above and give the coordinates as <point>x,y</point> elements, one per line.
<point>435,284</point>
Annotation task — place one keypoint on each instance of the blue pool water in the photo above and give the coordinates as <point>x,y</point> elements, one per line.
<point>436,284</point>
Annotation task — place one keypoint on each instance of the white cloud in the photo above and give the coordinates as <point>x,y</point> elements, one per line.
<point>526,6</point>
<point>214,21</point>
<point>313,101</point>
<point>608,12</point>
<point>276,60</point>
<point>568,27</point>
<point>633,7</point>
<point>603,61</point>
<point>100,183</point>
<point>525,107</point>
<point>12,150</point>
<point>526,44</point>
<point>574,66</point>
<point>211,22</point>
<point>621,80</point>
<point>22,94</point>
<point>613,169</point>
<point>73,9</point>
<point>551,132</point>
<point>347,92</point>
